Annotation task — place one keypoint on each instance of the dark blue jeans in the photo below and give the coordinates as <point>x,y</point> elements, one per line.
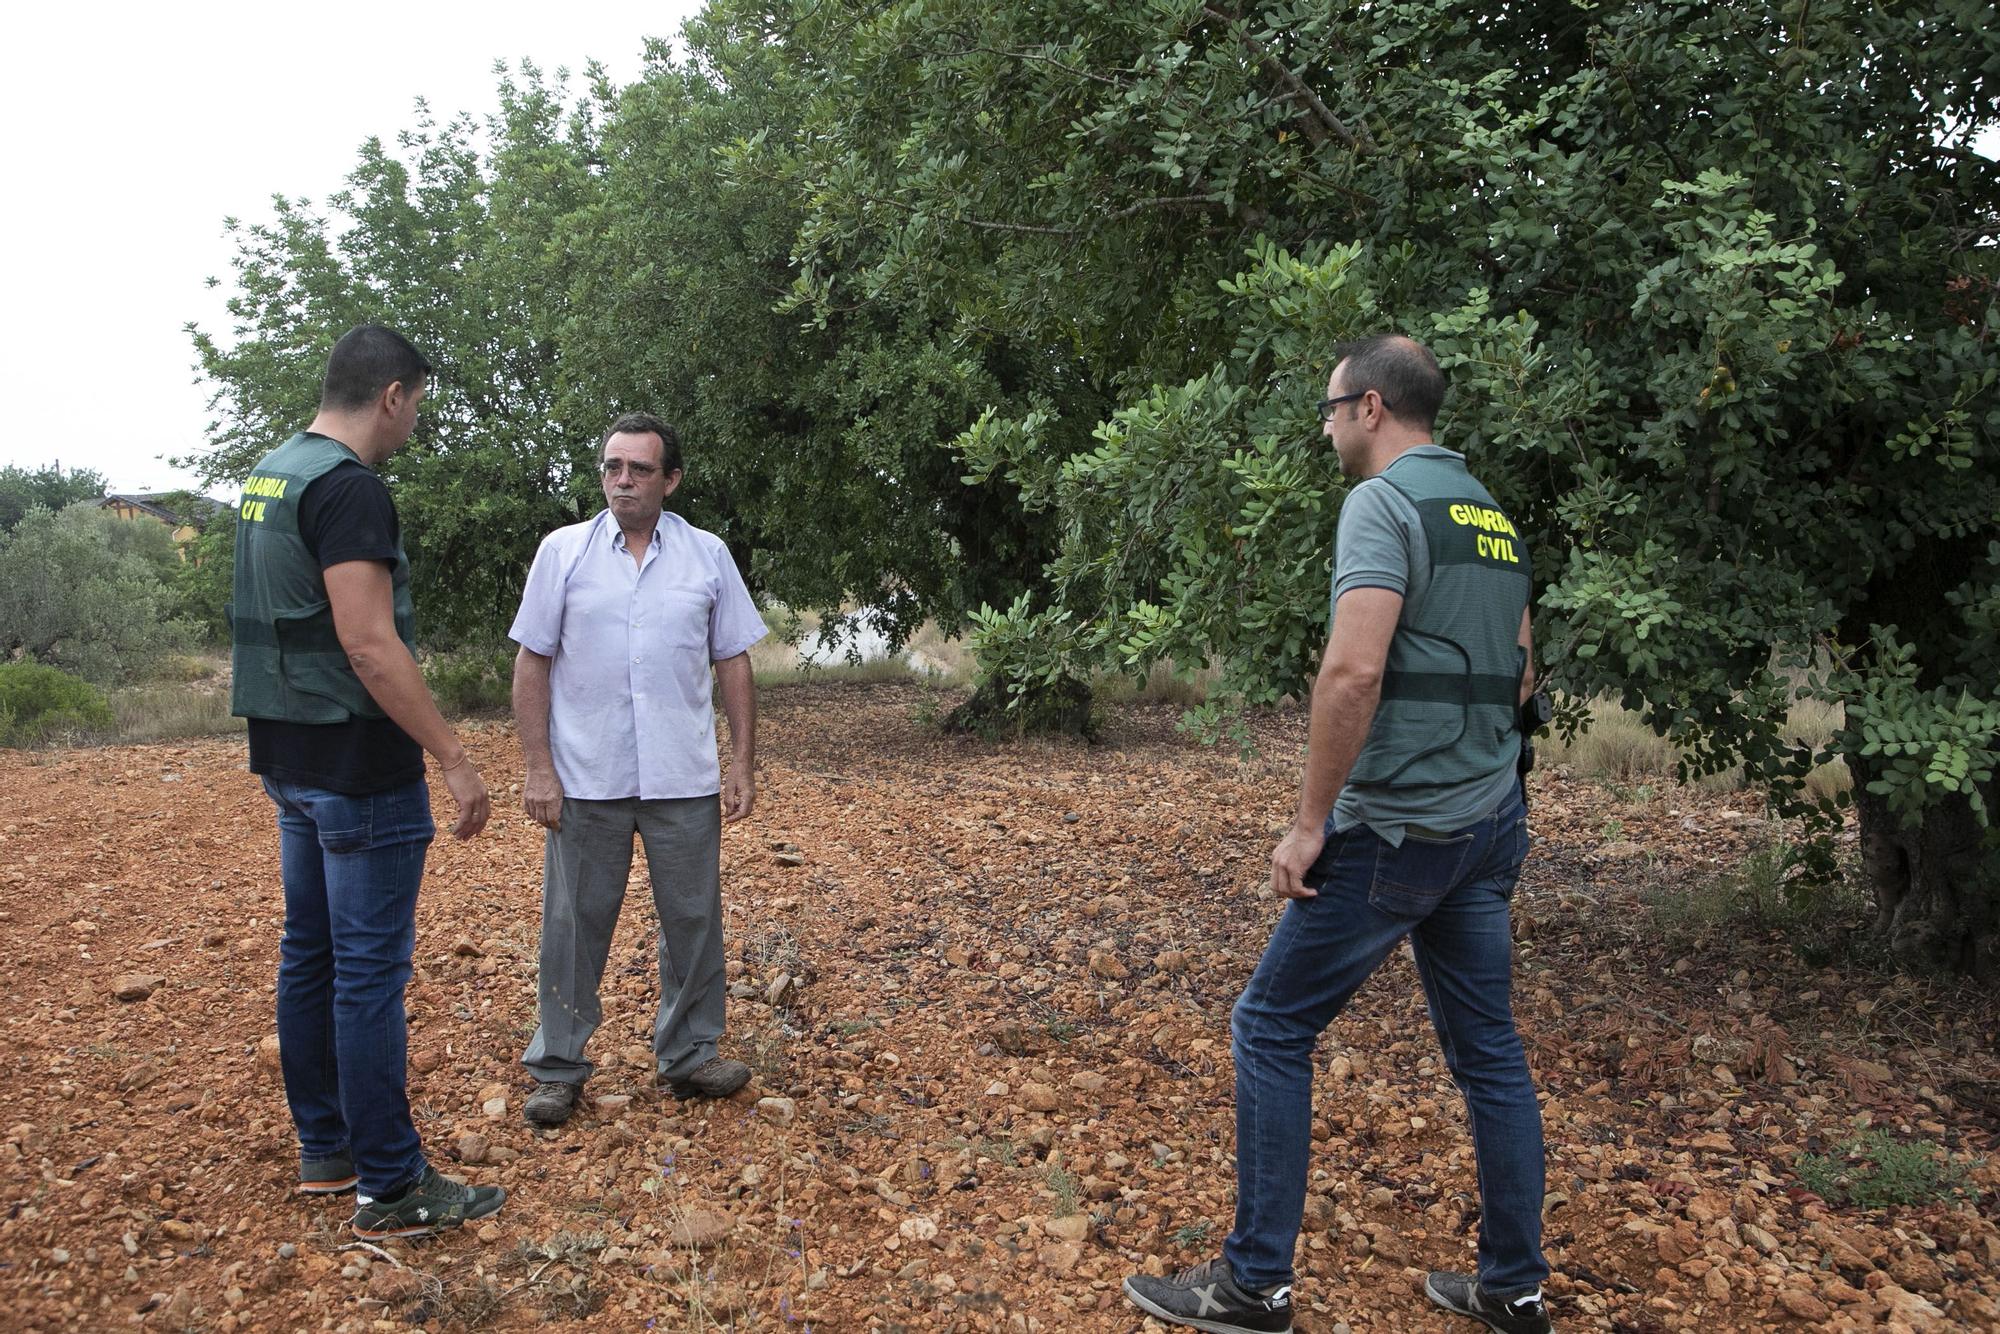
<point>1450,896</point>
<point>351,867</point>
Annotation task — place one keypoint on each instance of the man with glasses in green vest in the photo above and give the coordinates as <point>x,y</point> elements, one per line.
<point>339,720</point>
<point>1410,823</point>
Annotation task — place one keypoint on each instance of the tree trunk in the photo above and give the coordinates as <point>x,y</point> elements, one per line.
<point>1062,709</point>
<point>1936,884</point>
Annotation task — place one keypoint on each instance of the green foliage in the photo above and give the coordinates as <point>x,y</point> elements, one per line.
<point>475,679</point>
<point>1774,889</point>
<point>1067,1189</point>
<point>49,487</point>
<point>1933,743</point>
<point>202,582</point>
<point>1874,1170</point>
<point>1716,294</point>
<point>86,592</point>
<point>1015,315</point>
<point>460,253</point>
<point>38,702</point>
<point>630,251</point>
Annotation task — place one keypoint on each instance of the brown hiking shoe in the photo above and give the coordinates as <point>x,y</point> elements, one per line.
<point>716,1077</point>
<point>551,1102</point>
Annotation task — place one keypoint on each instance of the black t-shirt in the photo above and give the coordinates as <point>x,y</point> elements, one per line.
<point>345,515</point>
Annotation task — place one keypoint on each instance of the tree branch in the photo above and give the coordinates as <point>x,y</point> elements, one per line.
<point>1045,60</point>
<point>1356,140</point>
<point>1038,229</point>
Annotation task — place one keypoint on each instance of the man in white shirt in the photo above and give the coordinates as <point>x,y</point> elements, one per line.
<point>621,620</point>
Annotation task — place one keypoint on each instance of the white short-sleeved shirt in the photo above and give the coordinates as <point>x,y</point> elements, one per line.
<point>630,711</point>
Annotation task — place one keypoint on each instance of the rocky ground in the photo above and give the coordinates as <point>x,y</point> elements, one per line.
<point>985,991</point>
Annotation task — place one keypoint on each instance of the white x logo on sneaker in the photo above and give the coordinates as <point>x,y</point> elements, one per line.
<point>1208,1302</point>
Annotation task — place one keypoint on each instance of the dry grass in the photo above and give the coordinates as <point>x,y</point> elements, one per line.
<point>168,711</point>
<point>1620,748</point>
<point>1164,684</point>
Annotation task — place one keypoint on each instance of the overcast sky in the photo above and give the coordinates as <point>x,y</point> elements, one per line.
<point>135,130</point>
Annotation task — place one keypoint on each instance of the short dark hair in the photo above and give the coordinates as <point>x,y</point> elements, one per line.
<point>366,361</point>
<point>1401,370</point>
<point>645,423</point>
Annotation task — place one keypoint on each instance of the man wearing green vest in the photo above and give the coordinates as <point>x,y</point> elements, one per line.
<point>339,720</point>
<point>1410,824</point>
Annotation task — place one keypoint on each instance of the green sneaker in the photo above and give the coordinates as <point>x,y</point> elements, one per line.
<point>434,1203</point>
<point>327,1176</point>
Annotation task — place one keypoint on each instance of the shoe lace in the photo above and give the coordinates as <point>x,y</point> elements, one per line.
<point>550,1086</point>
<point>1205,1270</point>
<point>441,1187</point>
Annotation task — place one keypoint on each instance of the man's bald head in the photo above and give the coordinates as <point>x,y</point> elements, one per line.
<point>1400,369</point>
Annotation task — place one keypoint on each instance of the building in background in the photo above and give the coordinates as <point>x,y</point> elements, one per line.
<point>181,511</point>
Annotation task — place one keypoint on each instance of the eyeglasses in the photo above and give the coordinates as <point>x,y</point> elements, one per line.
<point>1327,405</point>
<point>641,471</point>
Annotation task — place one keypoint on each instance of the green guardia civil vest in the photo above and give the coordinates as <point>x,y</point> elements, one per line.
<point>286,660</point>
<point>1451,687</point>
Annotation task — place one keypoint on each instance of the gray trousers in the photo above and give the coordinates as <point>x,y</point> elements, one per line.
<point>585,866</point>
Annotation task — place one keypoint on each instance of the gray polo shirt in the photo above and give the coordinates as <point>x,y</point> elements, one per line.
<point>1379,543</point>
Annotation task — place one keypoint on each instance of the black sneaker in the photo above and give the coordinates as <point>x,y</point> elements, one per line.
<point>1208,1297</point>
<point>327,1176</point>
<point>434,1203</point>
<point>551,1102</point>
<point>1462,1293</point>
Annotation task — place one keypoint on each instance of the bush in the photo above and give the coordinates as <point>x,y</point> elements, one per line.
<point>471,680</point>
<point>202,585</point>
<point>1771,890</point>
<point>1876,1169</point>
<point>38,702</point>
<point>85,592</point>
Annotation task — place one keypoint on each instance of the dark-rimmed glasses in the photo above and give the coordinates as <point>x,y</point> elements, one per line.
<point>1327,405</point>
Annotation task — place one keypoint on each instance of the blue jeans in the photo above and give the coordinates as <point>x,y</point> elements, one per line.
<point>351,867</point>
<point>1449,895</point>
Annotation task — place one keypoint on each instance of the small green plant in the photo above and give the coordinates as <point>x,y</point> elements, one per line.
<point>471,680</point>
<point>1768,891</point>
<point>929,704</point>
<point>1001,1151</point>
<point>37,703</point>
<point>1061,1029</point>
<point>1612,831</point>
<point>1875,1169</point>
<point>1190,1235</point>
<point>1068,1190</point>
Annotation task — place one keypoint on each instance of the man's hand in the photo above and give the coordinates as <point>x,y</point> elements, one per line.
<point>468,789</point>
<point>542,798</point>
<point>1291,859</point>
<point>739,795</point>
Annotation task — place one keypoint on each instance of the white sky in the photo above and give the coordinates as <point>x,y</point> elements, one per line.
<point>134,130</point>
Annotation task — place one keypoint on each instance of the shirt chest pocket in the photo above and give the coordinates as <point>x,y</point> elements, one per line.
<point>676,617</point>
